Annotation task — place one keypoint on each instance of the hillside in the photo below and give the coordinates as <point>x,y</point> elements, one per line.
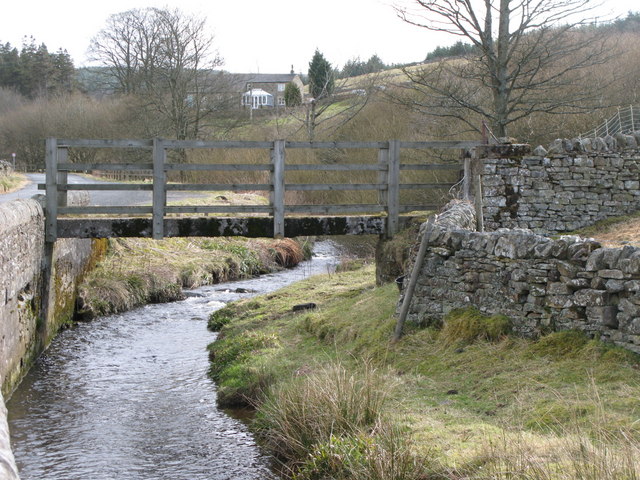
<point>615,232</point>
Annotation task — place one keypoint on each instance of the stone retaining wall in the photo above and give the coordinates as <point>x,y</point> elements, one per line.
<point>32,307</point>
<point>562,191</point>
<point>542,284</point>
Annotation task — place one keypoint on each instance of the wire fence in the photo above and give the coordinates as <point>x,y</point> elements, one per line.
<point>625,120</point>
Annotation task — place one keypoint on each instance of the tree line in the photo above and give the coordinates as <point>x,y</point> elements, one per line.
<point>34,71</point>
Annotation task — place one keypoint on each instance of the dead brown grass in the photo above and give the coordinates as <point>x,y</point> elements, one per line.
<point>615,232</point>
<point>288,252</point>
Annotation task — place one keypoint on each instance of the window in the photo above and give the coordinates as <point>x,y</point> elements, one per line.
<point>281,101</point>
<point>281,87</point>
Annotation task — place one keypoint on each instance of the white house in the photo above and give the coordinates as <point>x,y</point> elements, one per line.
<point>257,98</point>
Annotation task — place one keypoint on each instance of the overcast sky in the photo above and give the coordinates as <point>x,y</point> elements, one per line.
<point>266,36</point>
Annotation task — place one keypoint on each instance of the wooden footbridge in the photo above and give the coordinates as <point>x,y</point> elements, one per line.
<point>279,218</point>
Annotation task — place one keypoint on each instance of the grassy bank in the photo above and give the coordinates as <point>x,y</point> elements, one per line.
<point>335,399</point>
<point>140,271</point>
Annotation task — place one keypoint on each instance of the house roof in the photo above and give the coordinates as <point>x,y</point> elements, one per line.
<point>238,82</point>
<point>265,77</point>
<point>256,92</point>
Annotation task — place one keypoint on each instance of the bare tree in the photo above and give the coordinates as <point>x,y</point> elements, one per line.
<point>125,48</point>
<point>529,56</point>
<point>332,104</point>
<point>166,59</point>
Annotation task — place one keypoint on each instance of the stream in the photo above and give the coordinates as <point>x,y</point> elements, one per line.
<point>128,396</point>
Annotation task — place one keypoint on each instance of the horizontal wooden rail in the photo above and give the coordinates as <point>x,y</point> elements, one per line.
<point>191,167</point>
<point>434,166</point>
<point>425,186</point>
<point>352,167</point>
<point>84,143</point>
<point>334,186</point>
<point>204,187</point>
<point>105,186</point>
<point>336,145</point>
<point>244,209</point>
<point>84,167</point>
<point>104,210</point>
<point>387,167</point>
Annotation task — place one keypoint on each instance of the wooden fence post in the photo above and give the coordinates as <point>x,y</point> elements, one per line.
<point>278,182</point>
<point>51,198</point>
<point>477,192</point>
<point>159,188</point>
<point>393,188</point>
<point>466,181</point>
<point>413,280</point>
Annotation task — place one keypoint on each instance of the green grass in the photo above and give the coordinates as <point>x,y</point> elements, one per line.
<point>459,394</point>
<point>465,326</point>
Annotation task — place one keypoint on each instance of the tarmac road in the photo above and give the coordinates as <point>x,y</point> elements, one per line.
<point>104,198</point>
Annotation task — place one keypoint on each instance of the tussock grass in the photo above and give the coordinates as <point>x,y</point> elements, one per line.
<point>329,401</point>
<point>9,183</point>
<point>464,326</point>
<point>329,424</point>
<point>495,407</point>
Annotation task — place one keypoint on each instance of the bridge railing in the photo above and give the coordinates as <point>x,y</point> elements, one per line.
<point>388,185</point>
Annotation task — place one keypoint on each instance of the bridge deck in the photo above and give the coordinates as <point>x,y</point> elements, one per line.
<point>223,226</point>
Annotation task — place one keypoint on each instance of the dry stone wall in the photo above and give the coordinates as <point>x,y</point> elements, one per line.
<point>570,186</point>
<point>542,284</point>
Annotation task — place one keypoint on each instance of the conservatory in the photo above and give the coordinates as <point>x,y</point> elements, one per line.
<point>257,98</point>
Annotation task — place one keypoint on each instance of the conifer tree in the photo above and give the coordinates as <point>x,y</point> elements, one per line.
<point>321,78</point>
<point>292,95</point>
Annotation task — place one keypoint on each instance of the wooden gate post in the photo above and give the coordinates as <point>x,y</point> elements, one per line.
<point>51,198</point>
<point>159,188</point>
<point>277,182</point>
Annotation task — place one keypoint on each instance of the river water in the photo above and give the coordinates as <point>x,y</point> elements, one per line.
<point>128,397</point>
